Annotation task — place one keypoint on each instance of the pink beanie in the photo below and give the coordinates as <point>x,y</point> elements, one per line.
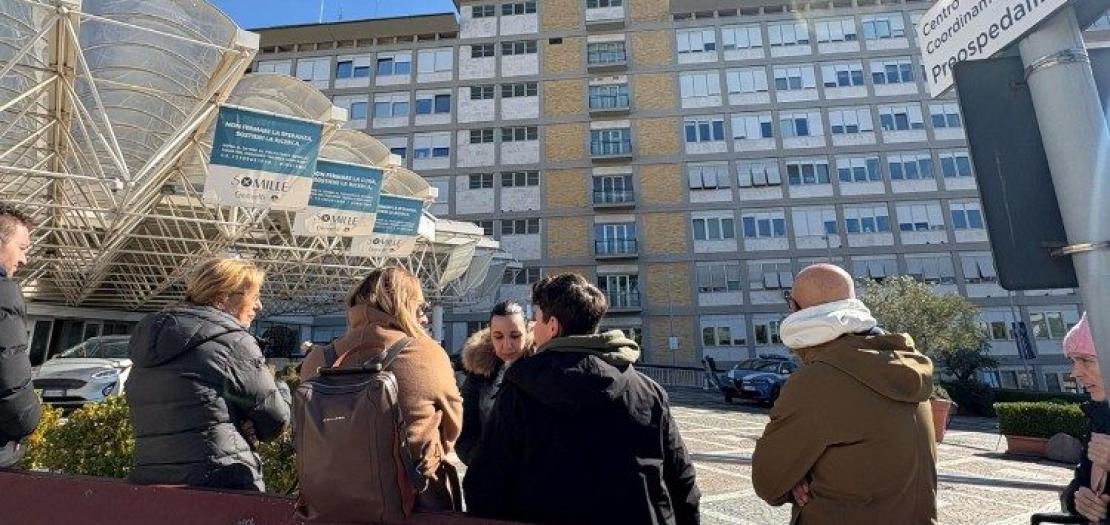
<point>1079,340</point>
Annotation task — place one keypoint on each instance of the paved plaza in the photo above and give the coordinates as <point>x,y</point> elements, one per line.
<point>978,484</point>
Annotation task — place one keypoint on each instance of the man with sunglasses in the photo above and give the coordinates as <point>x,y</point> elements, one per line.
<point>851,436</point>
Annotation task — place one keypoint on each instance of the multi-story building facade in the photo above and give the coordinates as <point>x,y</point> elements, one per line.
<point>688,156</point>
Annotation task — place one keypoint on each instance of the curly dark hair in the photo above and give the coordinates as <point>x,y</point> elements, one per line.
<point>10,217</point>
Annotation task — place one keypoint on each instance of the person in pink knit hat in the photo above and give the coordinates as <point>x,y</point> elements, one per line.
<point>1086,495</point>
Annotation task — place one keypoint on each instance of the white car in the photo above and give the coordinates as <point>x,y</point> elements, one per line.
<point>86,373</point>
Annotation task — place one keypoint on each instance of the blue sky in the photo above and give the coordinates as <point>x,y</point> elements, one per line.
<point>251,14</point>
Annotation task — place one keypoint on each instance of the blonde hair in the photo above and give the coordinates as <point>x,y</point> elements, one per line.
<point>393,290</point>
<point>215,279</point>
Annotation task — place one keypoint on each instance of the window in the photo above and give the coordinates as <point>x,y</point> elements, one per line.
<point>622,291</point>
<point>752,126</point>
<point>596,4</point>
<point>858,169</point>
<point>842,75</point>
<point>770,275</point>
<point>910,166</point>
<point>932,269</point>
<point>348,69</point>
<point>814,222</point>
<point>807,172</point>
<point>901,118</point>
<point>708,176</point>
<point>714,228</point>
<point>695,85</point>
<point>764,225</point>
<point>432,145</point>
<point>967,215</point>
<point>481,92</point>
<point>866,219</point>
<point>520,227</point>
<point>794,78</point>
<point>391,105</point>
<point>741,37</point>
<point>1052,324</point>
<point>996,324</point>
<point>483,11</point>
<point>836,30</point>
<point>894,71</point>
<point>609,96</point>
<point>522,47</point>
<point>520,89</point>
<point>723,331</point>
<point>314,69</point>
<point>435,60</point>
<point>874,269</point>
<point>850,121</point>
<point>611,189</point>
<point>473,327</point>
<point>978,268</point>
<point>520,179</point>
<point>806,124</point>
<point>696,41</point>
<point>610,141</point>
<point>884,26</point>
<point>753,80</point>
<point>522,276</point>
<point>400,151</point>
<point>767,332</point>
<point>481,136</point>
<point>519,8</point>
<point>397,64</point>
<point>1102,23</point>
<point>718,277</point>
<point>920,217</point>
<point>615,238</point>
<point>788,34</point>
<point>605,53</point>
<point>520,134</point>
<point>705,129</point>
<point>955,163</point>
<point>482,50</point>
<point>433,104</point>
<point>945,116</point>
<point>481,181</point>
<point>487,228</point>
<point>758,174</point>
<point>281,67</point>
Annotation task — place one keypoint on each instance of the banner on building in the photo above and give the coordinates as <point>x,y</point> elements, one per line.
<point>395,228</point>
<point>343,201</point>
<point>262,160</point>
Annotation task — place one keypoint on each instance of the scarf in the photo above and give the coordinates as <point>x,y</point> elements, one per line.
<point>825,322</point>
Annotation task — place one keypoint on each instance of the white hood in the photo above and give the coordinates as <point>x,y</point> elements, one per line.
<point>826,322</point>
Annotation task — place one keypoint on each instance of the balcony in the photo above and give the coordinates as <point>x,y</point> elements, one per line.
<point>610,105</point>
<point>624,301</point>
<point>606,60</point>
<point>614,199</point>
<point>604,18</point>
<point>617,248</point>
<point>611,150</point>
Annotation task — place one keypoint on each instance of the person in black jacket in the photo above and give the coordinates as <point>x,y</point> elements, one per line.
<point>577,435</point>
<point>200,392</point>
<point>20,408</point>
<point>1087,493</point>
<point>486,356</point>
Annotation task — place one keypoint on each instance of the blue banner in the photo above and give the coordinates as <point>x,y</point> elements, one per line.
<point>344,200</point>
<point>395,229</point>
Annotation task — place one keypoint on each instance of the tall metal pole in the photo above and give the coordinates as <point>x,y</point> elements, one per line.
<point>1076,142</point>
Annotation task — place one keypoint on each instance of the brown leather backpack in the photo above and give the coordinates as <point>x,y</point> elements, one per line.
<point>353,462</point>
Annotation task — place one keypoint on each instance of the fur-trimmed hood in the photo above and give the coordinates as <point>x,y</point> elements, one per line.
<point>478,356</point>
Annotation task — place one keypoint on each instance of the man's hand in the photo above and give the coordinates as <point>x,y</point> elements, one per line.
<point>800,492</point>
<point>1090,505</point>
<point>1098,450</point>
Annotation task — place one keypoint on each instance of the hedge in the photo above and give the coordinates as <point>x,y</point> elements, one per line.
<point>1040,419</point>
<point>1013,396</point>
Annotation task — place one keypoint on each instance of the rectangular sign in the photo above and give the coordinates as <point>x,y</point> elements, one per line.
<point>343,202</point>
<point>954,31</point>
<point>261,160</point>
<point>395,228</point>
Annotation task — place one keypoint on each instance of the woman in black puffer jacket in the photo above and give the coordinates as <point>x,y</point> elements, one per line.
<point>200,393</point>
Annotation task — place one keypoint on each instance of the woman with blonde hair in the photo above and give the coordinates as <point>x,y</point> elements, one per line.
<point>200,393</point>
<point>387,306</point>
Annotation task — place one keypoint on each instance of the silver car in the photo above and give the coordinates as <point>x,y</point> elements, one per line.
<point>86,373</point>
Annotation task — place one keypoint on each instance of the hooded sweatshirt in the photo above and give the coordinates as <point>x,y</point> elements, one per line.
<point>855,422</point>
<point>579,436</point>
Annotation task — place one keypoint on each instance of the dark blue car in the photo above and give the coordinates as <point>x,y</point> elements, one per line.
<point>758,379</point>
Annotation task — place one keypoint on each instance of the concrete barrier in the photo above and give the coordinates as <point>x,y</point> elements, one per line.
<point>35,498</point>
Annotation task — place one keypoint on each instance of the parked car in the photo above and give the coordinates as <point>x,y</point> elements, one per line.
<point>86,373</point>
<point>759,379</point>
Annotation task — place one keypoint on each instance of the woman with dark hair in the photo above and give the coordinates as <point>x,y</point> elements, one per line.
<point>486,356</point>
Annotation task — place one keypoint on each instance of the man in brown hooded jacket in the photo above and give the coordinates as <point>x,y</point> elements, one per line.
<point>851,436</point>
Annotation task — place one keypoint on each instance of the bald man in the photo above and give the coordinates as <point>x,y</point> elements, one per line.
<point>851,435</point>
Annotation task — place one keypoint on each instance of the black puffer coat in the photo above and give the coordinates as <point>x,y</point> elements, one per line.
<point>198,378</point>
<point>1098,417</point>
<point>19,407</point>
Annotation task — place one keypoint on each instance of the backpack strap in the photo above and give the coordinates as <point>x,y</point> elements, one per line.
<point>329,355</point>
<point>393,351</point>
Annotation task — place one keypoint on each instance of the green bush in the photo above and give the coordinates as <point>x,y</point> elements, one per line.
<point>95,440</point>
<point>939,392</point>
<point>279,464</point>
<point>1040,419</point>
<point>1013,396</point>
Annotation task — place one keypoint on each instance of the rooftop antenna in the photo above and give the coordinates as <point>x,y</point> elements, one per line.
<point>340,11</point>
<point>321,11</point>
